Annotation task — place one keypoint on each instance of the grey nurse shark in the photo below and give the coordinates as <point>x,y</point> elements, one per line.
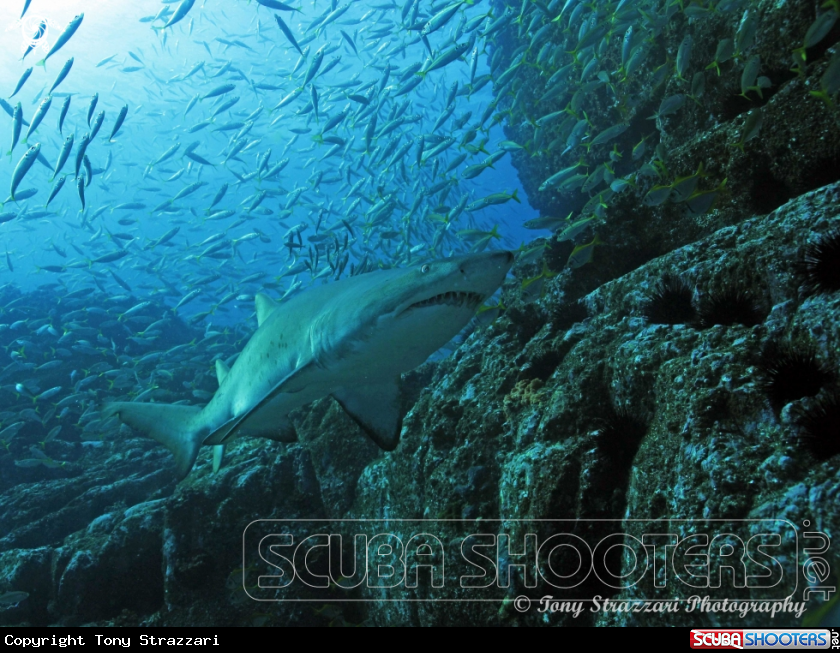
<point>350,339</point>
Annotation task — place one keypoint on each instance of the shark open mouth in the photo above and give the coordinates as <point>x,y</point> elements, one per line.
<point>465,299</point>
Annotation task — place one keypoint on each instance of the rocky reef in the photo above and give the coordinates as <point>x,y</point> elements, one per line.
<point>683,381</point>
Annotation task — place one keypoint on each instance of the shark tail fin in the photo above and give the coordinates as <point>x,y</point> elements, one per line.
<point>174,426</point>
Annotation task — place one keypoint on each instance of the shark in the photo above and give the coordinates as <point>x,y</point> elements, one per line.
<point>350,339</point>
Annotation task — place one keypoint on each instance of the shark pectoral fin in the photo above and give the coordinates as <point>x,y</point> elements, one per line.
<point>174,426</point>
<point>376,409</point>
<point>218,455</point>
<point>264,305</point>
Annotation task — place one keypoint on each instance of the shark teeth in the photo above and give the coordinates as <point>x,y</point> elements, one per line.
<point>466,299</point>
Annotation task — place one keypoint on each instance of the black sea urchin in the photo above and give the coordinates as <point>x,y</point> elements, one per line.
<point>670,302</point>
<point>820,268</point>
<point>619,433</point>
<point>565,315</point>
<point>821,427</point>
<point>791,374</point>
<point>730,306</point>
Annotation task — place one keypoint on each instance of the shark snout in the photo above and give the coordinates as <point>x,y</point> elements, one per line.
<point>488,262</point>
<point>485,272</point>
<point>464,281</point>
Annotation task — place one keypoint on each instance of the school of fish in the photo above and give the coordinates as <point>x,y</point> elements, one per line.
<point>236,178</point>
<point>306,144</point>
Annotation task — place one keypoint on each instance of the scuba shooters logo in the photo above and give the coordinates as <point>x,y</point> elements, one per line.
<point>452,560</point>
<point>799,639</point>
<point>705,639</point>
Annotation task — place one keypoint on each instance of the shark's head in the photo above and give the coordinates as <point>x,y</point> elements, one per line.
<point>398,318</point>
<point>450,288</point>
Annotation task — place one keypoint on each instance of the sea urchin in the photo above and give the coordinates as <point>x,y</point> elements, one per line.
<point>820,268</point>
<point>821,427</point>
<point>670,302</point>
<point>730,306</point>
<point>565,315</point>
<point>619,433</point>
<point>791,374</point>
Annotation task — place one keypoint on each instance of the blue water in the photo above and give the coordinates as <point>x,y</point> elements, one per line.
<point>157,100</point>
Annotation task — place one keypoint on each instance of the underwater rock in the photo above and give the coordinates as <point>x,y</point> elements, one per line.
<point>710,430</point>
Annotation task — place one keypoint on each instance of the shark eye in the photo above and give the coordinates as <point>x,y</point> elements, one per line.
<point>425,269</point>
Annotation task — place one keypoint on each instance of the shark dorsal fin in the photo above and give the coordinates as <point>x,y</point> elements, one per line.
<point>265,305</point>
<point>376,409</point>
<point>221,371</point>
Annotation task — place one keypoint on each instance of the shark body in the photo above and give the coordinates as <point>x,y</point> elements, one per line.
<point>350,339</point>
